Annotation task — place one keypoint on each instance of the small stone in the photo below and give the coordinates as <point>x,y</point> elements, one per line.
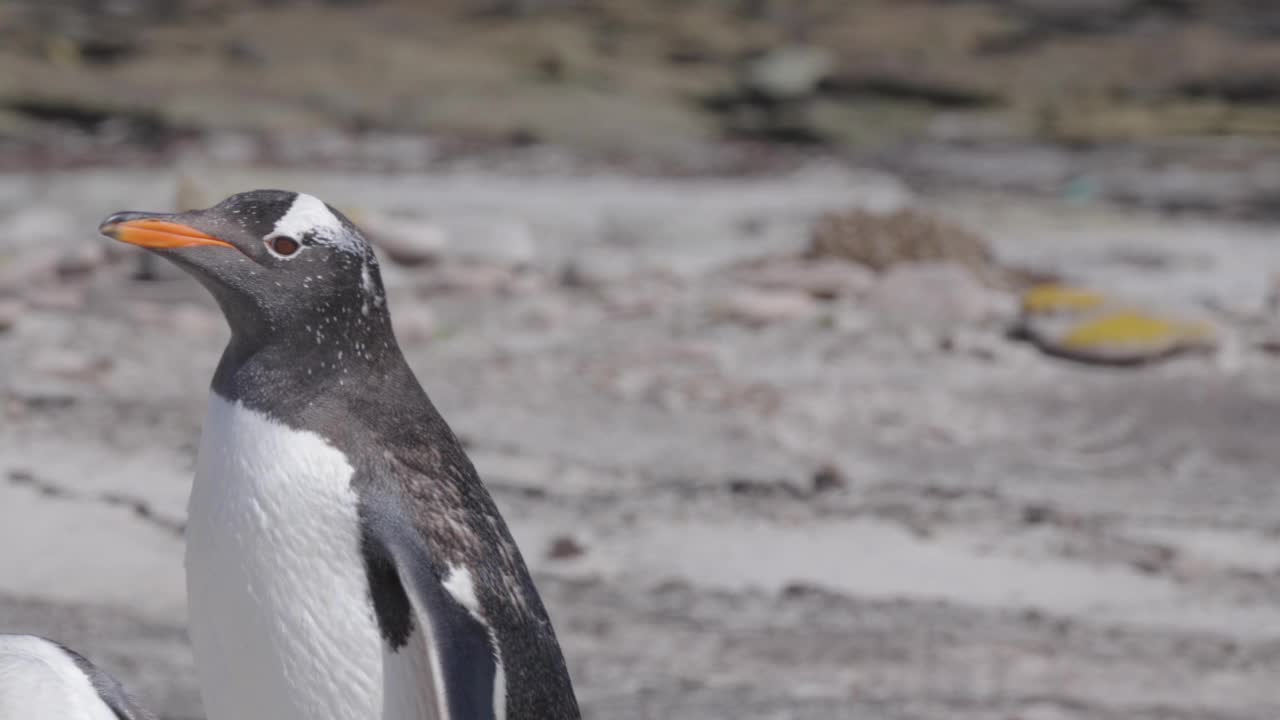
<point>787,73</point>
<point>71,365</point>
<point>41,225</point>
<point>57,297</point>
<point>418,324</point>
<point>466,278</point>
<point>28,268</point>
<point>543,312</point>
<point>149,267</point>
<point>405,242</point>
<point>935,295</point>
<point>762,307</point>
<point>1036,514</point>
<point>10,311</point>
<point>597,267</point>
<point>498,240</point>
<point>409,242</point>
<point>828,478</point>
<point>823,278</point>
<point>565,547</point>
<point>196,320</point>
<point>80,260</point>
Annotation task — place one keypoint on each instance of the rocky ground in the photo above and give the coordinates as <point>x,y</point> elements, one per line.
<point>1171,104</point>
<point>750,483</point>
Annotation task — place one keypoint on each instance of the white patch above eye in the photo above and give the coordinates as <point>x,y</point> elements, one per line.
<point>309,216</point>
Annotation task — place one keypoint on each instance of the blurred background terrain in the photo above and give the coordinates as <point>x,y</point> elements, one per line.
<point>903,359</point>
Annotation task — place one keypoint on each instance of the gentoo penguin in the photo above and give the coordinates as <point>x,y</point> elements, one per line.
<point>42,679</point>
<point>344,561</point>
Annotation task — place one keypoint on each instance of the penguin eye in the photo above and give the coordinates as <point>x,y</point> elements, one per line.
<point>284,245</point>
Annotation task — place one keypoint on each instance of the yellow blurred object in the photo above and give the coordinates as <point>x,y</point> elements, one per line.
<point>1054,298</point>
<point>1132,328</point>
<point>1092,326</point>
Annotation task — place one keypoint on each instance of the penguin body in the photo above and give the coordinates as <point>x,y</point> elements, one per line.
<point>344,561</point>
<point>42,679</point>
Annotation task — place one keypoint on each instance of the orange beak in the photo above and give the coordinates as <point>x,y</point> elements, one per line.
<point>157,234</point>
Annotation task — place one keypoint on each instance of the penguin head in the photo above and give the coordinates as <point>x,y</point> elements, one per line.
<point>274,259</point>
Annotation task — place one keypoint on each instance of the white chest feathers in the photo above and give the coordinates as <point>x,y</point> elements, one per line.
<point>39,680</point>
<point>280,617</point>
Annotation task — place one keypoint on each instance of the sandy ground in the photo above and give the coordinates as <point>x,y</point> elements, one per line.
<point>736,503</point>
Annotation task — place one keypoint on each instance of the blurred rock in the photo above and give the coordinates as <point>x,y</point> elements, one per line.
<point>413,242</point>
<point>787,73</point>
<point>32,225</point>
<point>822,278</point>
<point>195,320</point>
<point>935,295</point>
<point>70,364</point>
<point>541,312</point>
<point>80,260</point>
<point>466,278</point>
<point>404,242</point>
<point>882,240</point>
<point>67,296</point>
<point>149,267</point>
<point>415,325</point>
<point>189,193</point>
<point>10,311</point>
<point>598,267</point>
<point>565,547</point>
<point>762,307</point>
<point>507,241</point>
<point>27,268</point>
<point>829,478</point>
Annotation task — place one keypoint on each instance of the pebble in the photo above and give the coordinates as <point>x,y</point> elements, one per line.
<point>597,267</point>
<point>405,242</point>
<point>822,278</point>
<point>196,320</point>
<point>828,478</point>
<point>466,278</point>
<point>936,295</point>
<point>788,72</point>
<point>41,225</point>
<point>27,268</point>
<point>416,324</point>
<point>565,547</point>
<point>415,242</point>
<point>56,297</point>
<point>763,307</point>
<point>505,241</point>
<point>10,311</point>
<point>80,260</point>
<point>71,365</point>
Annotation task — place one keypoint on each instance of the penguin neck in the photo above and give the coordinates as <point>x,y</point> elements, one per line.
<point>276,367</point>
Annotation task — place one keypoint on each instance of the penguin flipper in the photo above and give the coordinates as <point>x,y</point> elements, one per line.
<point>417,614</point>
